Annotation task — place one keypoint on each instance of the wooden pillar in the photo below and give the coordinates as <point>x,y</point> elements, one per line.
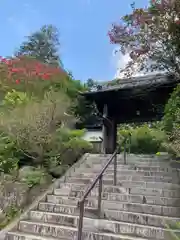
<point>104,129</point>
<point>109,133</point>
<point>112,136</point>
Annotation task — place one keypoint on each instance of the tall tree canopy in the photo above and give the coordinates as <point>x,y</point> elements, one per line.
<point>43,45</point>
<point>151,36</point>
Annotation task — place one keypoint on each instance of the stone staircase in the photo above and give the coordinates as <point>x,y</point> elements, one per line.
<point>144,205</point>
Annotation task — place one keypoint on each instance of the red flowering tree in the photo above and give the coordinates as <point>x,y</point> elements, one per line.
<point>151,36</point>
<point>27,74</point>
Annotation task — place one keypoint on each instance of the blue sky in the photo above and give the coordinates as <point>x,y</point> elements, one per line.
<point>83,26</point>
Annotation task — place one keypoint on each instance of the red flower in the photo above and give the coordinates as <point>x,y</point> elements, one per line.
<point>17,81</point>
<point>14,70</point>
<point>45,76</point>
<point>177,22</point>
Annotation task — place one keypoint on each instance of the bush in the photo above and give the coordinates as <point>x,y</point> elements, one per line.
<point>33,176</point>
<point>143,139</point>
<point>9,156</point>
<point>171,122</point>
<point>32,125</point>
<point>173,143</point>
<point>40,130</point>
<point>67,147</point>
<point>15,98</point>
<point>171,110</point>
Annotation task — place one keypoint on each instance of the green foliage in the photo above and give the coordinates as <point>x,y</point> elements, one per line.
<point>65,149</point>
<point>143,139</point>
<point>40,132</point>
<point>37,112</point>
<point>76,133</point>
<point>15,98</point>
<point>8,154</point>
<point>33,125</point>
<point>171,110</point>
<point>171,123</point>
<point>34,177</point>
<point>10,213</point>
<point>151,36</point>
<point>86,113</point>
<point>76,147</point>
<point>43,45</point>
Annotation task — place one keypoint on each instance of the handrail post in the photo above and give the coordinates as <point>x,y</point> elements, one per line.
<point>81,203</point>
<point>115,169</point>
<point>99,196</point>
<point>125,151</point>
<point>81,215</point>
<point>129,143</point>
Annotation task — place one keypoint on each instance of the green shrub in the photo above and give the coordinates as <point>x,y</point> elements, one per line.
<point>67,147</point>
<point>171,109</point>
<point>76,133</point>
<point>76,147</point>
<point>9,214</point>
<point>15,98</point>
<point>41,134</point>
<point>143,139</point>
<point>33,177</point>
<point>171,122</point>
<point>9,155</point>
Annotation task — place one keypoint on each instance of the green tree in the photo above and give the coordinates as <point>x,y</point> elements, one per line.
<point>43,45</point>
<point>91,83</point>
<point>85,111</point>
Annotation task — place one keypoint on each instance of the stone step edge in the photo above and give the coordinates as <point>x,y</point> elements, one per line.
<point>107,210</point>
<point>38,237</point>
<point>130,178</point>
<point>122,181</point>
<point>111,201</point>
<point>135,165</point>
<point>132,174</point>
<point>131,161</point>
<point>105,220</point>
<point>116,222</point>
<point>120,194</point>
<point>106,186</point>
<point>130,170</point>
<point>120,174</point>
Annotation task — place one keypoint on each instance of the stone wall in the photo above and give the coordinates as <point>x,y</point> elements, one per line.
<point>17,195</point>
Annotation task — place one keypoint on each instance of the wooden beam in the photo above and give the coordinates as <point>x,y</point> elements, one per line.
<point>109,132</point>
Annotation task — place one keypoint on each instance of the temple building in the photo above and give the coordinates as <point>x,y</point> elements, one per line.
<point>137,99</point>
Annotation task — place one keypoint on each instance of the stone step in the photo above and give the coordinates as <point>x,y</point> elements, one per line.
<point>128,184</point>
<point>120,160</point>
<point>130,162</point>
<point>132,172</point>
<point>116,205</point>
<point>133,198</point>
<point>27,236</point>
<point>101,226</point>
<point>134,157</point>
<point>119,189</point>
<point>132,167</point>
<point>147,157</point>
<point>135,177</point>
<point>131,217</point>
<point>86,236</point>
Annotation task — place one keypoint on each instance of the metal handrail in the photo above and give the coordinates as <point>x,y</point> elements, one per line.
<point>98,178</point>
<point>127,141</point>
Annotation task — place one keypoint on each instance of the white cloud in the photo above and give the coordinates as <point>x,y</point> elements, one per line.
<point>121,63</point>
